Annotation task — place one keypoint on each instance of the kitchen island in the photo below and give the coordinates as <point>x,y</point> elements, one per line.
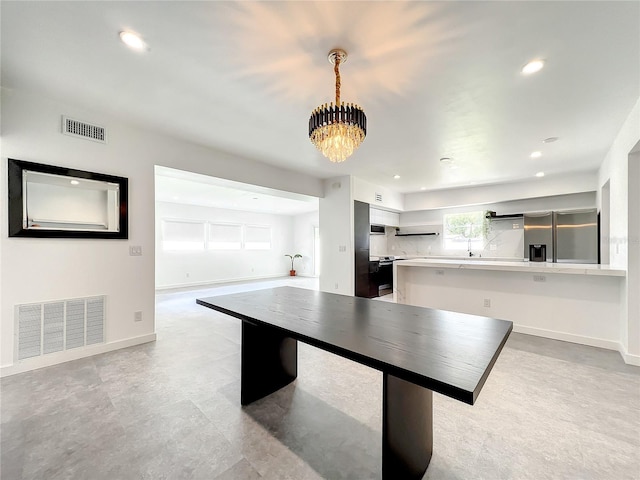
<point>581,303</point>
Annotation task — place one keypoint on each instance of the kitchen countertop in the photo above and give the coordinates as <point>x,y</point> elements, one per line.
<point>515,266</point>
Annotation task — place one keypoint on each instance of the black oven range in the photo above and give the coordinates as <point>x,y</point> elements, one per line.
<point>383,276</point>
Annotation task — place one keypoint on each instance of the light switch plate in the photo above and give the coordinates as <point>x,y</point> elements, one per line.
<point>135,250</point>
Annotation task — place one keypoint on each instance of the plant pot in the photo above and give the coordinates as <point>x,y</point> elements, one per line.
<point>292,273</point>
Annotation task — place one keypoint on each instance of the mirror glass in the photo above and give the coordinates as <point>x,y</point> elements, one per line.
<point>64,203</point>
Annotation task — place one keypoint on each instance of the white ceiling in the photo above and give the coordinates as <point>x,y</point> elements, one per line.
<point>177,186</point>
<point>436,79</point>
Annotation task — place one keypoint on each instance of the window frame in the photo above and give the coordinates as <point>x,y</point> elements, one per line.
<point>473,241</point>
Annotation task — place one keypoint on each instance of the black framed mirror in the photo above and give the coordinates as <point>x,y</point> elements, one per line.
<point>50,201</point>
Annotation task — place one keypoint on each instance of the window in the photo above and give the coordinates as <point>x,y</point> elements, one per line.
<point>182,235</point>
<point>257,237</point>
<point>463,231</point>
<point>224,236</point>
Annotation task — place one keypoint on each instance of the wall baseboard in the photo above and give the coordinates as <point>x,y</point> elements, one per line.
<point>629,358</point>
<point>35,363</point>
<point>580,339</point>
<point>217,282</point>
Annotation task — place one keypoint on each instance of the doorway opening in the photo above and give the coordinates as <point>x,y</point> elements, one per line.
<point>212,231</point>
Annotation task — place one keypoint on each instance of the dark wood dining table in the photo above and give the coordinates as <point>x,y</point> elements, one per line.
<point>418,350</point>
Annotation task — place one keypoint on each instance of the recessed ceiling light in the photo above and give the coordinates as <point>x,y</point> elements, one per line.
<point>535,154</point>
<point>133,41</point>
<point>396,177</point>
<point>446,160</point>
<point>423,188</point>
<point>74,182</point>
<point>533,67</point>
<point>540,174</point>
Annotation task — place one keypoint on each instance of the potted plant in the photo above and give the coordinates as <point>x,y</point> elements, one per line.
<point>292,272</point>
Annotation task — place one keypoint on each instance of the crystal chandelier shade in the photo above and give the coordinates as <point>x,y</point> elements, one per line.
<point>337,130</point>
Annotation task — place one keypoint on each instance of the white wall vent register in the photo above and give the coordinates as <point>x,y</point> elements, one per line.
<point>76,128</point>
<point>44,328</point>
<point>378,197</point>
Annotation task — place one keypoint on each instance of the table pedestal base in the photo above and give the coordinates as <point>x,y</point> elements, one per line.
<point>269,362</point>
<point>407,428</point>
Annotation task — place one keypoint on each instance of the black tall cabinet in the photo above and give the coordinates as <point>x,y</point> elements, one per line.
<point>364,268</point>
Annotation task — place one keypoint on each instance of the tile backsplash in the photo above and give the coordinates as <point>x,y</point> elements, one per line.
<point>504,239</point>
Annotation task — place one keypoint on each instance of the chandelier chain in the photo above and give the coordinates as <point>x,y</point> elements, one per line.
<point>336,69</point>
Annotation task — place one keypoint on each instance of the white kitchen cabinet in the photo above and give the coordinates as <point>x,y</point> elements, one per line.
<point>374,216</point>
<point>392,219</point>
<point>382,217</point>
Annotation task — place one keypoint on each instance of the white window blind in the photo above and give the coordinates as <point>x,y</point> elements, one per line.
<point>182,235</point>
<point>257,237</point>
<point>225,236</point>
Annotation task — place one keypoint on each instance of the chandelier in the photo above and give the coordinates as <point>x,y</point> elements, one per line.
<point>337,130</point>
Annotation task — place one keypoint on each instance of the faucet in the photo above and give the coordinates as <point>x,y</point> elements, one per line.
<point>469,248</point>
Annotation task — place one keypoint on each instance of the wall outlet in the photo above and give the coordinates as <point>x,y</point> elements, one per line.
<point>493,247</point>
<point>336,287</point>
<point>188,274</point>
<point>137,316</point>
<point>487,302</point>
<point>135,250</point>
<point>539,278</point>
<point>439,272</point>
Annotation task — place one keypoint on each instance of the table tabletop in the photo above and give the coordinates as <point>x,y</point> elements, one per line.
<point>447,352</point>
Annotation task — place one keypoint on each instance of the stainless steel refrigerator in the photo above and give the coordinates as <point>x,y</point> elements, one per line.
<point>576,236</point>
<point>538,237</point>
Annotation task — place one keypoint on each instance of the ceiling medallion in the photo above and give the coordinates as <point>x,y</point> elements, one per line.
<point>337,130</point>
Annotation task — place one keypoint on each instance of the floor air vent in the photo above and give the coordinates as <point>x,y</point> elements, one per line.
<point>76,128</point>
<point>44,328</point>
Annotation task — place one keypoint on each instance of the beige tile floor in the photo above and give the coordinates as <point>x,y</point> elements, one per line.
<point>171,410</point>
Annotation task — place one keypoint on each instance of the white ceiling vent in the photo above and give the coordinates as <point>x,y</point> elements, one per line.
<point>378,197</point>
<point>76,128</point>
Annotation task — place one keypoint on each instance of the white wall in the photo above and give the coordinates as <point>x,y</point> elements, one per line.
<point>303,241</point>
<point>615,170</point>
<point>364,191</point>
<point>35,270</point>
<point>336,237</point>
<point>490,194</point>
<point>199,267</point>
<point>633,268</point>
